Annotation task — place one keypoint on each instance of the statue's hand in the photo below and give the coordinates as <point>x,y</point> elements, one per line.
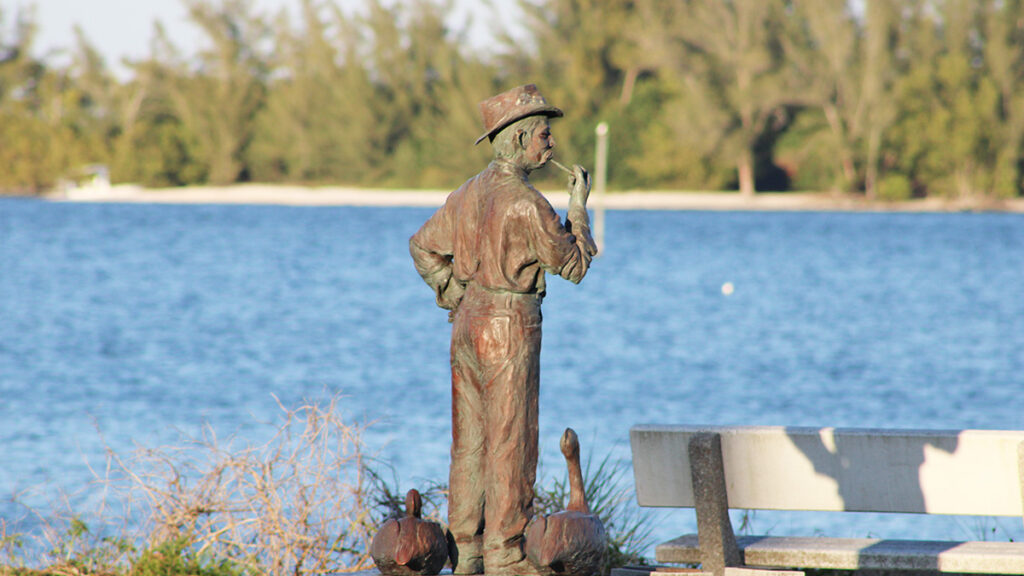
<point>579,184</point>
<point>451,295</point>
<point>589,245</point>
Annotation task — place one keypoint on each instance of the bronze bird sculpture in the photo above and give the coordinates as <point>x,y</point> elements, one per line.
<point>571,542</point>
<point>410,545</point>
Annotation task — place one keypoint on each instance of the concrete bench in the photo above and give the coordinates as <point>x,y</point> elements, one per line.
<point>712,469</point>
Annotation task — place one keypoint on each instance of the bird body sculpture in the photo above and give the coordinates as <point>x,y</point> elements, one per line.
<point>410,545</point>
<point>571,542</point>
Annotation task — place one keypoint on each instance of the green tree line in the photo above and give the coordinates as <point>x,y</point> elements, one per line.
<point>881,98</point>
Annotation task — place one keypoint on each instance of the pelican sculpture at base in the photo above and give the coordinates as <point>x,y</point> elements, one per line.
<point>571,542</point>
<point>410,545</point>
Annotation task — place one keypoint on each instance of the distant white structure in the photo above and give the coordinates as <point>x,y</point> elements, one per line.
<point>92,181</point>
<point>97,176</point>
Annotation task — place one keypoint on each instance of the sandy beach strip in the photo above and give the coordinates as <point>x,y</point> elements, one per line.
<point>285,195</point>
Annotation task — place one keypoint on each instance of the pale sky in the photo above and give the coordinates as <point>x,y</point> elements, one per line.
<point>120,28</point>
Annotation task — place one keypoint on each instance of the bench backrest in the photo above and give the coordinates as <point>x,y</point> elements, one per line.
<point>975,472</point>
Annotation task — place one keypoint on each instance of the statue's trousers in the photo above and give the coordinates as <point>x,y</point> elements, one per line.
<point>495,358</point>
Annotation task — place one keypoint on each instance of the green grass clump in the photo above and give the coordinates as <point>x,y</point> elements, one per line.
<point>177,557</point>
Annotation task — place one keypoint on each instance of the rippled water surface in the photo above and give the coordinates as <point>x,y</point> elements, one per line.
<point>125,324</point>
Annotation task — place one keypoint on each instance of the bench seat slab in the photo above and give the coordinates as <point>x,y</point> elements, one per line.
<point>861,553</point>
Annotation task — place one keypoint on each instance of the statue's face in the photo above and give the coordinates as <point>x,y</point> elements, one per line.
<point>539,147</point>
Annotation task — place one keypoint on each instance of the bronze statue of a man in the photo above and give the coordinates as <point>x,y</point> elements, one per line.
<point>485,254</point>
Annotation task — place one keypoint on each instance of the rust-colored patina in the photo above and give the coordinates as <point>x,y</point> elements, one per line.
<point>410,546</point>
<point>571,542</point>
<point>485,254</point>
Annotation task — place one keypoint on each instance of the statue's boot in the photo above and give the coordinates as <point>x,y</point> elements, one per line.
<point>509,562</point>
<point>466,556</point>
<point>521,568</point>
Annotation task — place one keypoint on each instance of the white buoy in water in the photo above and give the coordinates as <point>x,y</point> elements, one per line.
<point>728,288</point>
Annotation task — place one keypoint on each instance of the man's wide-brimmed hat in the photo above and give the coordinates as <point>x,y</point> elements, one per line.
<point>508,107</point>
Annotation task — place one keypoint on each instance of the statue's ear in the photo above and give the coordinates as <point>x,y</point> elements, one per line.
<point>522,138</point>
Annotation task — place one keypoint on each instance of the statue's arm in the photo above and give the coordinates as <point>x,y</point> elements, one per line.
<point>431,248</point>
<point>566,250</point>
<point>577,224</point>
<point>577,221</point>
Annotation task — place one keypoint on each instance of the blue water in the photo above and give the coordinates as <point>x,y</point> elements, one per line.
<point>127,325</point>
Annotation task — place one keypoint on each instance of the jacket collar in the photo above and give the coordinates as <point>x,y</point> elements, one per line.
<point>510,167</point>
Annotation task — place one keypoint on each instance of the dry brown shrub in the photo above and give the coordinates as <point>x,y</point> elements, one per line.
<point>301,503</point>
<point>307,501</point>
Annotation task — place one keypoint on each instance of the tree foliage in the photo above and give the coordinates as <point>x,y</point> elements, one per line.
<point>926,96</point>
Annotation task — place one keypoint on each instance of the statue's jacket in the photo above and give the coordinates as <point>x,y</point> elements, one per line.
<point>498,232</point>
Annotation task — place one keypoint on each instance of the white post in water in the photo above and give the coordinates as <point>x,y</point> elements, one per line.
<point>601,170</point>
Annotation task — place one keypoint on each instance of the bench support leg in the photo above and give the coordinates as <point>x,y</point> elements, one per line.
<point>717,541</point>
